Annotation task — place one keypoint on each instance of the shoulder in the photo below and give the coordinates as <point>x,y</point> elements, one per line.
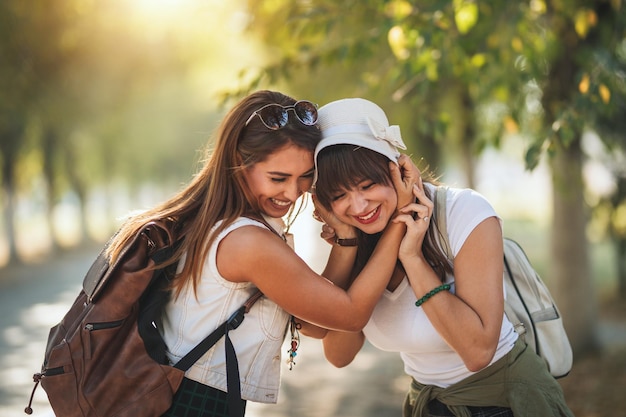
<point>245,247</point>
<point>467,200</point>
<point>465,210</point>
<point>245,231</point>
<point>466,195</point>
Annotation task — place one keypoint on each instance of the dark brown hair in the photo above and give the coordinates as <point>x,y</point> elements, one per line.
<point>344,166</point>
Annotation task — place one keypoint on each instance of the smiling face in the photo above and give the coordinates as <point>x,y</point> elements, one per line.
<point>355,184</point>
<point>279,180</point>
<point>367,206</point>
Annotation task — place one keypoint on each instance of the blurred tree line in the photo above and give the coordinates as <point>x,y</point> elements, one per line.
<point>468,74</point>
<point>97,98</point>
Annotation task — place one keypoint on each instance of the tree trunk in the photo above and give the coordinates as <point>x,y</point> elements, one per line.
<point>49,144</point>
<point>467,118</point>
<point>618,234</point>
<point>621,267</point>
<point>570,267</point>
<point>8,210</point>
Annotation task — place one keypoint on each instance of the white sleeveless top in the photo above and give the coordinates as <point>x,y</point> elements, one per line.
<point>257,341</point>
<point>397,325</point>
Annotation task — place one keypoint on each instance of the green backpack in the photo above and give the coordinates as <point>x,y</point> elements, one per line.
<point>528,305</point>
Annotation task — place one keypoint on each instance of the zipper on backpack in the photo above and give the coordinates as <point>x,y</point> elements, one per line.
<point>37,379</point>
<point>90,327</point>
<point>103,326</point>
<point>53,371</point>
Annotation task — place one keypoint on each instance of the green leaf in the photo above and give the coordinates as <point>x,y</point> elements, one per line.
<point>465,16</point>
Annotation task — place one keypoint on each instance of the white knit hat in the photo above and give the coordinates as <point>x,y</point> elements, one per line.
<point>359,122</point>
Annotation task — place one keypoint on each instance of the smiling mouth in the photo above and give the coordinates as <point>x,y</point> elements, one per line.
<point>280,203</point>
<point>371,216</point>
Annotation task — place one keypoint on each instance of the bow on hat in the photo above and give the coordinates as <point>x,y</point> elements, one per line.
<point>389,134</point>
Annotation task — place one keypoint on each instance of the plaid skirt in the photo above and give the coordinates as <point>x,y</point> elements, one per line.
<point>194,399</point>
<point>439,409</point>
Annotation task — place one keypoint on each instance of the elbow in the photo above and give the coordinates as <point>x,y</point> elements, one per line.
<point>339,358</point>
<point>479,359</point>
<point>338,362</point>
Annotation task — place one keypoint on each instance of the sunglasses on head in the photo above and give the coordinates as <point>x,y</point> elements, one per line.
<point>275,116</point>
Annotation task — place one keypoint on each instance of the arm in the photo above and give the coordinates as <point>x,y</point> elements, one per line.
<point>465,321</point>
<point>338,269</point>
<point>286,279</point>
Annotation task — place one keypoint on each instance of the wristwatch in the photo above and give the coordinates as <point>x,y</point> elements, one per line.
<point>346,242</point>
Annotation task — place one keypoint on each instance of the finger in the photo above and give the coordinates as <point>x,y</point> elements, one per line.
<point>420,194</point>
<point>404,218</point>
<point>409,170</point>
<point>326,228</point>
<point>319,212</point>
<point>396,175</point>
<point>316,216</point>
<point>420,210</point>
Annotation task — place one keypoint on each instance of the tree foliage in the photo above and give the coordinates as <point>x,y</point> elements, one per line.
<point>472,72</point>
<point>96,97</point>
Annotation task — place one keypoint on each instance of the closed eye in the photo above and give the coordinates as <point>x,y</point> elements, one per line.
<point>308,175</point>
<point>337,196</point>
<point>368,185</point>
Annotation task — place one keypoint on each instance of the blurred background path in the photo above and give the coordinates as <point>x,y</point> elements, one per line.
<point>33,298</point>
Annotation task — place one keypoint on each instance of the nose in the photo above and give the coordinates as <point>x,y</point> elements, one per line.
<point>358,203</point>
<point>293,191</point>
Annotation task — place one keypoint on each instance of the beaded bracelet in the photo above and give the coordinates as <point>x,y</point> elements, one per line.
<point>443,287</point>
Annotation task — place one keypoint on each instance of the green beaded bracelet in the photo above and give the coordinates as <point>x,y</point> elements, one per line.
<point>443,287</point>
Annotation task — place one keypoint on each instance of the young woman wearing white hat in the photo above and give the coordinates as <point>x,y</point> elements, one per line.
<point>233,243</point>
<point>445,319</point>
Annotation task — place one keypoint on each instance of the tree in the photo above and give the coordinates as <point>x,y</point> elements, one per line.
<point>80,80</point>
<point>506,67</point>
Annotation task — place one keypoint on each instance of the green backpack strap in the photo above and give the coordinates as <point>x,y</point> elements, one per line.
<point>440,219</point>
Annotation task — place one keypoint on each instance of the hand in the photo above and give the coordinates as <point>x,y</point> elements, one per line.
<point>332,226</point>
<point>416,216</point>
<point>404,175</point>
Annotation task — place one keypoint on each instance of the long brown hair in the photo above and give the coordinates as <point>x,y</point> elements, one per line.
<point>344,166</point>
<point>218,191</point>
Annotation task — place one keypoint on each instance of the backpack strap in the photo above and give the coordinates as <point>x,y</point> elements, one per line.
<point>232,323</point>
<point>440,219</point>
<point>513,317</point>
<point>233,383</point>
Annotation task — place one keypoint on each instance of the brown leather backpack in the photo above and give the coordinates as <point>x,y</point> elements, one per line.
<point>106,357</point>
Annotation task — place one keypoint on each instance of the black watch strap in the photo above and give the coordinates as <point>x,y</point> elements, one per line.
<point>346,242</point>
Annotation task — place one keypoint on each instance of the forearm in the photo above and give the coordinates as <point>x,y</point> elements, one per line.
<point>455,320</point>
<point>369,285</point>
<point>339,265</point>
<point>311,330</point>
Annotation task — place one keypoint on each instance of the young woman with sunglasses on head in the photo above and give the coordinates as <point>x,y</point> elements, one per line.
<point>234,242</point>
<point>446,319</point>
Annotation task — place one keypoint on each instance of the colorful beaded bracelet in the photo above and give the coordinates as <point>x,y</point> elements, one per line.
<point>443,287</point>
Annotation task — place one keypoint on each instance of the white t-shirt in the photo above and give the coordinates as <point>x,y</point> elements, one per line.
<point>397,325</point>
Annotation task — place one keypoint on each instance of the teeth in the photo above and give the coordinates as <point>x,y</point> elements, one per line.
<point>280,203</point>
<point>369,216</point>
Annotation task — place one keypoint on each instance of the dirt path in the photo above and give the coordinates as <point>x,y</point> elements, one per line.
<point>33,299</point>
